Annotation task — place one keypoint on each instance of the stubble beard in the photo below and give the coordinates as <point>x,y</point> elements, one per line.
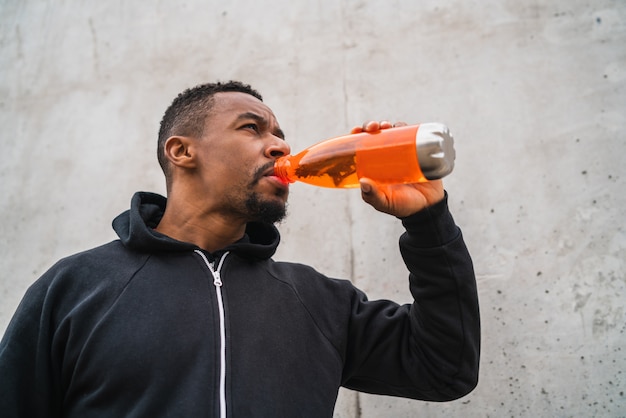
<point>267,211</point>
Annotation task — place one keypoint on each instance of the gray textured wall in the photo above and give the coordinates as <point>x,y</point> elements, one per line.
<point>534,93</point>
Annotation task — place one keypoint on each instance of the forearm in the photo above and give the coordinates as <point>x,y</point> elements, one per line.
<point>445,323</point>
<point>428,350</point>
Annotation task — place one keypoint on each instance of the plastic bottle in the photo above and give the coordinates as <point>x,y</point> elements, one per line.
<point>405,154</point>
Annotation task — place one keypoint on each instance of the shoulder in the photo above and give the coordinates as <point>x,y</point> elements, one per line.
<point>310,284</point>
<point>111,256</point>
<point>104,269</point>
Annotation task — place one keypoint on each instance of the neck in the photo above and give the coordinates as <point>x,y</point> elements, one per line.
<point>208,230</point>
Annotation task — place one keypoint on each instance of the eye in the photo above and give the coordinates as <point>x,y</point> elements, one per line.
<point>252,126</point>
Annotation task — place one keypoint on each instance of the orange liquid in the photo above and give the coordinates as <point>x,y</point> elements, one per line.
<point>385,156</point>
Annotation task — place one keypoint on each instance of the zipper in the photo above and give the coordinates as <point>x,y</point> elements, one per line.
<point>217,282</point>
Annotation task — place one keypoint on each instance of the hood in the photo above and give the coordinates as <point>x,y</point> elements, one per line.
<point>135,228</point>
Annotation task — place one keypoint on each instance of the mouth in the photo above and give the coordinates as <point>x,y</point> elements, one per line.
<point>267,171</point>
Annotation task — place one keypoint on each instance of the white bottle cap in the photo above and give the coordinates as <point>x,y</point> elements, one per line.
<point>435,150</point>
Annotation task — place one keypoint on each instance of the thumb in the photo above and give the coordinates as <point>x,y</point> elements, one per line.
<point>371,194</point>
<point>366,186</point>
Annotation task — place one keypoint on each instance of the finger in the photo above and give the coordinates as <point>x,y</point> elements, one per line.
<point>371,126</point>
<point>385,124</point>
<point>371,194</point>
<point>356,130</point>
<point>366,185</point>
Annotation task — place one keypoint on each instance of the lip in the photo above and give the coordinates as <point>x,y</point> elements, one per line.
<point>269,172</point>
<point>270,175</point>
<point>276,181</point>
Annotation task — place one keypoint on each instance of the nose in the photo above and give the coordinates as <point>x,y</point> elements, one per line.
<point>277,148</point>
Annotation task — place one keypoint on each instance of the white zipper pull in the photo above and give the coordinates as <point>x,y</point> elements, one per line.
<point>217,279</point>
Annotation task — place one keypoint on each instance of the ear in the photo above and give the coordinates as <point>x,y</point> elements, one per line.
<point>179,150</point>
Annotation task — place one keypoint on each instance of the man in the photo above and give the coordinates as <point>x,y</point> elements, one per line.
<point>187,315</point>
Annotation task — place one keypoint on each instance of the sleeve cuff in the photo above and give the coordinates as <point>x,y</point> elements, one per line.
<point>432,226</point>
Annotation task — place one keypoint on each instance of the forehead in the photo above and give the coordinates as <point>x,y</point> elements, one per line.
<point>232,104</point>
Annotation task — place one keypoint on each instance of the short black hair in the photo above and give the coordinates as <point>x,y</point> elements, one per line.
<point>187,114</point>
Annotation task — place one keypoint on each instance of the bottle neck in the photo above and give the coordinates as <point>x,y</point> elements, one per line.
<point>282,169</point>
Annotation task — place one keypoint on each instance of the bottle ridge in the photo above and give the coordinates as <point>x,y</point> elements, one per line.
<point>404,154</point>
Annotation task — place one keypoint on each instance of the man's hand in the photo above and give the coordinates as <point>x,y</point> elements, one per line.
<point>397,199</point>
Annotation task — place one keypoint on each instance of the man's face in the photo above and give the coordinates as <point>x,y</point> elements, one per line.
<point>237,151</point>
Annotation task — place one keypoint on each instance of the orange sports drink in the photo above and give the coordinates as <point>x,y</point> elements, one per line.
<point>404,154</point>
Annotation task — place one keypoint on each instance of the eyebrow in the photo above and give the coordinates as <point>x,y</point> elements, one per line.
<point>264,123</point>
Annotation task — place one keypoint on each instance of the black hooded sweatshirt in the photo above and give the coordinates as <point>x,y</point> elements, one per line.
<point>146,326</point>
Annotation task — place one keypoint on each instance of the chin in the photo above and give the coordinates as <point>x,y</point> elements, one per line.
<point>267,210</point>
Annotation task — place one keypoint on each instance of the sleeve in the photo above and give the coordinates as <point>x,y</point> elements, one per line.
<point>427,350</point>
<point>27,385</point>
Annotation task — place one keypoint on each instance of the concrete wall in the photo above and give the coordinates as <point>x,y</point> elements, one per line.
<point>534,92</point>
